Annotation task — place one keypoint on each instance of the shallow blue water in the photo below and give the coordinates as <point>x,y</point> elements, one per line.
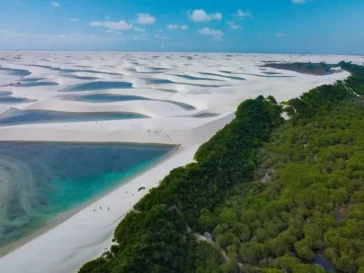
<point>164,81</point>
<point>35,83</point>
<point>65,70</point>
<point>80,77</point>
<point>98,85</point>
<point>5,93</point>
<point>229,77</point>
<point>10,99</point>
<point>16,116</point>
<point>325,263</point>
<point>168,90</point>
<point>31,79</point>
<point>5,97</point>
<point>104,98</point>
<point>271,73</point>
<point>228,72</point>
<point>188,77</point>
<point>107,98</point>
<point>15,72</point>
<point>158,81</point>
<point>181,104</point>
<point>206,115</point>
<point>157,68</point>
<point>40,180</point>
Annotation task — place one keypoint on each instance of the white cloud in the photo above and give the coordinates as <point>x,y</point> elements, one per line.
<point>139,29</point>
<point>216,34</point>
<point>55,4</point>
<point>199,15</point>
<point>145,19</point>
<point>158,36</point>
<point>56,41</point>
<point>233,25</point>
<point>141,36</point>
<point>120,25</point>
<point>96,24</point>
<point>299,1</point>
<point>177,27</point>
<point>74,20</point>
<point>280,34</point>
<point>243,14</point>
<point>173,26</point>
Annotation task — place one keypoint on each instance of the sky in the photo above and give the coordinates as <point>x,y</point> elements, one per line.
<point>266,26</point>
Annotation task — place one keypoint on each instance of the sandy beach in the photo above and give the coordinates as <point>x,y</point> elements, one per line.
<point>87,233</point>
<point>95,228</point>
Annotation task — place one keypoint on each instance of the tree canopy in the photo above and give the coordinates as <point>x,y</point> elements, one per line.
<point>272,193</point>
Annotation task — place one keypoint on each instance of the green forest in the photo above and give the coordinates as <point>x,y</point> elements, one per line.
<point>274,194</point>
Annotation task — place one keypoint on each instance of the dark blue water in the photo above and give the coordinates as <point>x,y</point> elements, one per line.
<point>202,85</point>
<point>86,78</point>
<point>229,77</point>
<point>5,93</point>
<point>325,263</point>
<point>272,73</point>
<point>5,97</point>
<point>83,66</point>
<point>185,106</point>
<point>10,99</point>
<point>164,81</point>
<point>104,98</point>
<point>16,116</point>
<point>269,76</point>
<point>35,83</point>
<point>65,70</point>
<point>99,85</point>
<point>157,68</point>
<point>40,180</point>
<point>16,72</point>
<point>228,72</point>
<point>31,79</point>
<point>168,90</point>
<point>158,81</point>
<point>206,115</point>
<point>196,78</point>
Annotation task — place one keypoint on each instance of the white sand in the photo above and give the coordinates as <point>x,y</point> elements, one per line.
<point>84,236</point>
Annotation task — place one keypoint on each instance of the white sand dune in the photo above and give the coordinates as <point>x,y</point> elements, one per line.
<point>85,235</point>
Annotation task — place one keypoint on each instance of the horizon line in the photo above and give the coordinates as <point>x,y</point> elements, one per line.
<point>172,51</point>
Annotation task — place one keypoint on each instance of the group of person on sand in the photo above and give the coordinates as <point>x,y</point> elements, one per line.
<point>108,208</point>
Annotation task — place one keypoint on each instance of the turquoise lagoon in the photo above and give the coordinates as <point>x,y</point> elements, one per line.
<point>16,116</point>
<point>39,181</point>
<point>103,98</point>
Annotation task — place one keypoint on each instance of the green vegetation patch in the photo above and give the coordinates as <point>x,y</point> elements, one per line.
<point>158,235</point>
<point>307,197</point>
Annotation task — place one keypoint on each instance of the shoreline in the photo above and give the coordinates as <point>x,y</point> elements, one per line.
<point>60,218</point>
<point>78,249</point>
